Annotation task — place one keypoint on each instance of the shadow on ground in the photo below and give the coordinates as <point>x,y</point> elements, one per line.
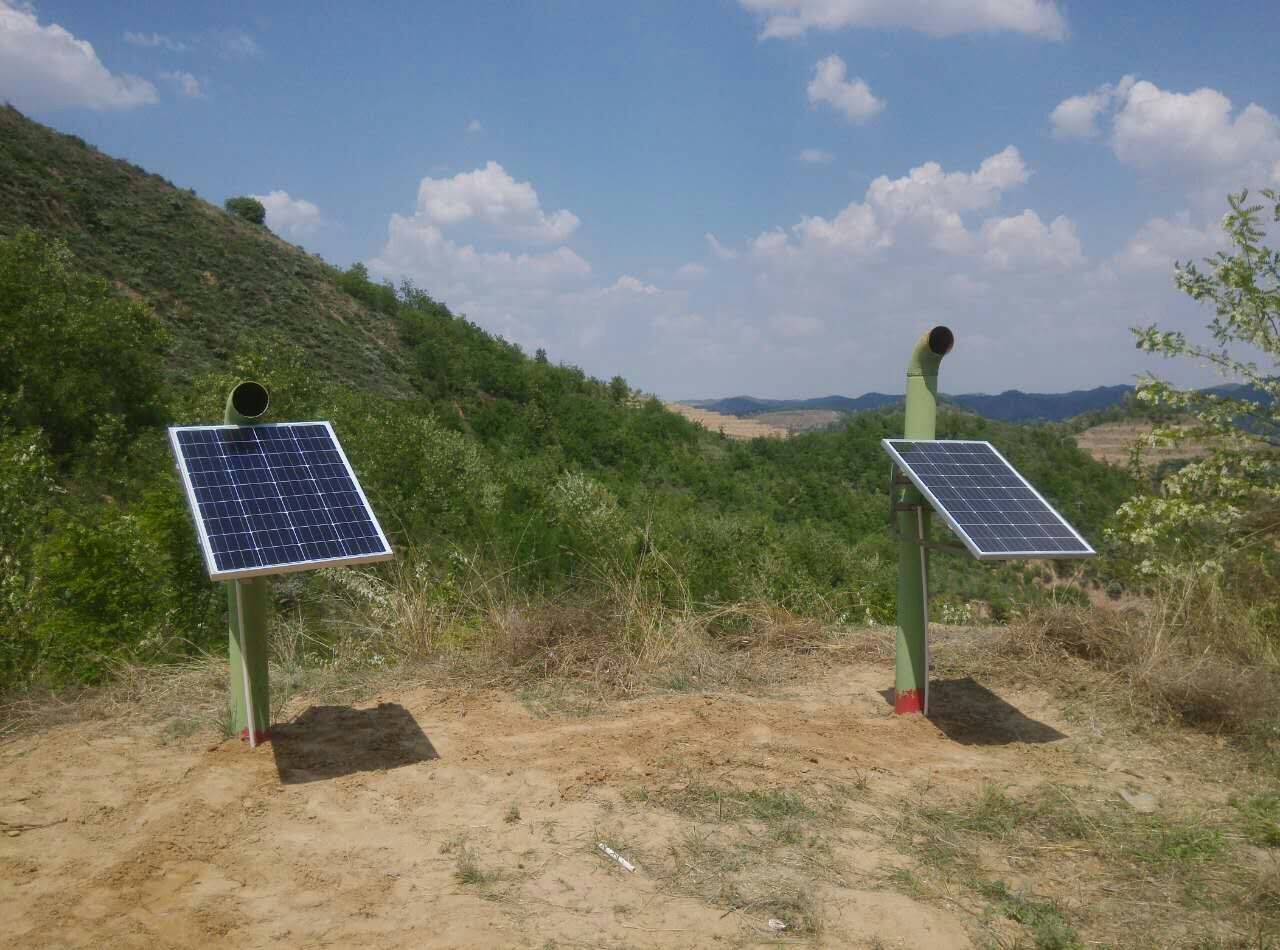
<point>969,713</point>
<point>327,742</point>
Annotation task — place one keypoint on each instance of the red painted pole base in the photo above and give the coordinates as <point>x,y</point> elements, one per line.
<point>258,737</point>
<point>908,701</point>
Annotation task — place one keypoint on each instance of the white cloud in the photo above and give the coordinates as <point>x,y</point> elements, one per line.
<point>926,204</point>
<point>46,67</point>
<point>1193,132</point>
<point>1075,117</point>
<point>490,197</point>
<point>474,126</point>
<point>237,44</point>
<point>1024,240</point>
<point>634,285</point>
<point>691,270</point>
<point>186,84</point>
<point>1196,137</point>
<point>1162,242</point>
<point>295,217</point>
<point>718,249</point>
<point>155,40</point>
<point>852,98</point>
<point>458,272</point>
<point>789,18</point>
<point>815,156</point>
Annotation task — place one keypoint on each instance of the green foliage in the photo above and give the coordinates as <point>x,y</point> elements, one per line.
<point>246,208</point>
<point>1221,509</point>
<point>76,361</point>
<point>480,460</point>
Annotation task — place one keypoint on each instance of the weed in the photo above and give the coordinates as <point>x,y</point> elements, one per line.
<point>1260,816</point>
<point>182,727</point>
<point>1049,928</point>
<point>468,870</point>
<point>513,813</point>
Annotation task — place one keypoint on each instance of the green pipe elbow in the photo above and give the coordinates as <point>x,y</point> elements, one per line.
<point>246,403</point>
<point>929,351</point>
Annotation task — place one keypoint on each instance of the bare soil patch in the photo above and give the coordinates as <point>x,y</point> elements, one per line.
<point>441,816</point>
<point>1112,442</point>
<point>732,426</point>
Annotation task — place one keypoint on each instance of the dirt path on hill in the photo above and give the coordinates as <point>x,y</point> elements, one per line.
<point>441,818</point>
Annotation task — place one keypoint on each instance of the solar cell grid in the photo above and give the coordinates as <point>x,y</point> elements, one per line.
<point>983,499</point>
<point>274,498</point>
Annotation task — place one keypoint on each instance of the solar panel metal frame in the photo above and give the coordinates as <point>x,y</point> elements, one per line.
<point>287,567</point>
<point>960,532</point>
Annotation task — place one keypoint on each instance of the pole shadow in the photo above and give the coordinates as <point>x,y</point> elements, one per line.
<point>327,742</point>
<point>969,713</point>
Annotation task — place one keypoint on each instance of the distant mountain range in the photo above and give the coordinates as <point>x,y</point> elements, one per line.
<point>1010,406</point>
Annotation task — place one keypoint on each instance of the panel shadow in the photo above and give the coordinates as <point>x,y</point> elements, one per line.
<point>969,713</point>
<point>327,742</point>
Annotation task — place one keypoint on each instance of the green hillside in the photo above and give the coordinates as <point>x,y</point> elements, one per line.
<point>503,480</point>
<point>221,286</point>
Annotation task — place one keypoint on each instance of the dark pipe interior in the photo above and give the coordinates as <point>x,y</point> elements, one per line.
<point>941,340</point>
<point>250,399</point>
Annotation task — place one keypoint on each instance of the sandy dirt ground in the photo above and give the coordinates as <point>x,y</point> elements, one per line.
<point>437,817</point>
<point>1113,442</point>
<point>732,426</point>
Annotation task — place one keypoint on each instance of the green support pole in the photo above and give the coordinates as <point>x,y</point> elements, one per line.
<point>911,668</point>
<point>247,608</point>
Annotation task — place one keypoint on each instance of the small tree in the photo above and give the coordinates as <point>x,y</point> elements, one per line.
<point>1226,503</point>
<point>246,208</point>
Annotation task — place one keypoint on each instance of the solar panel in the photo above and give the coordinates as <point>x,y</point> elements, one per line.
<point>983,499</point>
<point>269,499</point>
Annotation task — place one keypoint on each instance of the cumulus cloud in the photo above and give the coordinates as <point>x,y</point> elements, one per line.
<point>237,44</point>
<point>186,84</point>
<point>419,249</point>
<point>1076,117</point>
<point>815,156</point>
<point>1198,137</point>
<point>46,67</point>
<point>508,291</point>
<point>633,285</point>
<point>1024,240</point>
<point>926,204</point>
<point>692,270</point>
<point>718,249</point>
<point>492,198</point>
<point>1161,242</point>
<point>852,98</point>
<point>155,41</point>
<point>790,18</point>
<point>295,217</point>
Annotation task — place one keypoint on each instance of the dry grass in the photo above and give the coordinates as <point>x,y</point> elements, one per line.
<point>1188,654</point>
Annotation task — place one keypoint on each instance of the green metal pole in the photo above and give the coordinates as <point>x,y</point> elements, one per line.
<point>247,608</point>
<point>911,667</point>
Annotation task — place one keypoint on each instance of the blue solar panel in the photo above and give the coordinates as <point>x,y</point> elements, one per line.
<point>268,499</point>
<point>985,501</point>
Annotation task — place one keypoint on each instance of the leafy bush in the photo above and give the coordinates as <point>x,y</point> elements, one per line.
<point>76,361</point>
<point>246,208</point>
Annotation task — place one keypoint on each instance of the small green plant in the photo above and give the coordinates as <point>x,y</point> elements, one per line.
<point>1261,819</point>
<point>513,813</point>
<point>1049,928</point>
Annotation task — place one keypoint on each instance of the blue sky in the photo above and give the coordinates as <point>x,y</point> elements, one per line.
<point>715,197</point>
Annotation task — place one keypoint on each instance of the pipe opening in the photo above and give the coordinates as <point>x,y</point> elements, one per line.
<point>941,340</point>
<point>250,399</point>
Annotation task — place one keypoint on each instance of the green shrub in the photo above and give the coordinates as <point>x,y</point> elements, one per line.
<point>246,208</point>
